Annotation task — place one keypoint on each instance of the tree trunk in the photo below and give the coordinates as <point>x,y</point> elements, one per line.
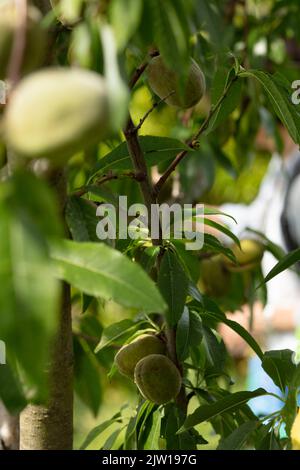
<point>51,427</point>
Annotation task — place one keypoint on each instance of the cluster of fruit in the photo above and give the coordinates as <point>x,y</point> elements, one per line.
<point>56,112</point>
<point>144,360</point>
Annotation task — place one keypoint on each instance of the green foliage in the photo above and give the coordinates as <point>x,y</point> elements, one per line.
<point>26,276</point>
<point>173,283</point>
<point>98,270</point>
<point>249,58</point>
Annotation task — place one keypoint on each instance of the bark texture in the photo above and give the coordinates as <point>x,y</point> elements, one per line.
<point>51,427</point>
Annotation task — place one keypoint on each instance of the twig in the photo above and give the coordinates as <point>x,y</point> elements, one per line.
<point>137,74</point>
<point>193,142</point>
<point>155,105</point>
<point>19,42</point>
<point>104,179</point>
<point>140,70</point>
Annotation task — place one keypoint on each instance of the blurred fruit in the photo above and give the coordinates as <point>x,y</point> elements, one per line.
<point>68,11</point>
<point>130,354</point>
<point>56,113</point>
<point>295,433</point>
<point>157,378</point>
<point>35,37</point>
<point>164,81</point>
<point>215,278</point>
<point>248,257</point>
<point>81,49</point>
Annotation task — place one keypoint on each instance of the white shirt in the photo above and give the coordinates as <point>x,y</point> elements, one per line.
<point>264,214</point>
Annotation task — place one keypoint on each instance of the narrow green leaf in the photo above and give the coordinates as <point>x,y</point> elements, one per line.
<point>170,33</point>
<point>81,219</point>
<point>117,332</point>
<point>280,367</point>
<point>125,16</point>
<point>94,433</point>
<point>108,445</point>
<point>87,381</point>
<point>155,148</point>
<point>282,106</point>
<point>215,211</point>
<point>100,271</point>
<point>219,316</point>
<point>238,438</point>
<point>221,228</point>
<point>182,335</point>
<point>231,100</point>
<point>227,404</point>
<point>118,93</point>
<point>29,293</point>
<point>173,285</point>
<point>286,262</point>
<point>212,243</point>
<point>11,391</point>
<point>152,442</point>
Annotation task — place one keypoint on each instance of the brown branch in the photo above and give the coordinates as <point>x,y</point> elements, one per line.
<point>155,105</point>
<point>19,43</point>
<point>137,74</point>
<point>193,142</point>
<point>140,70</point>
<point>104,179</point>
<point>139,163</point>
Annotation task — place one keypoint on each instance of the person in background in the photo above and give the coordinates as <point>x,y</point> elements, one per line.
<point>275,324</point>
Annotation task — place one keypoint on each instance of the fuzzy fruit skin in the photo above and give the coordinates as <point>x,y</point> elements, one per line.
<point>35,37</point>
<point>157,378</point>
<point>55,113</point>
<point>295,433</point>
<point>130,354</point>
<point>248,257</point>
<point>164,81</point>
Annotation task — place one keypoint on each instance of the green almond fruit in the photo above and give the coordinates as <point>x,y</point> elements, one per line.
<point>215,278</point>
<point>56,113</point>
<point>164,81</point>
<point>35,37</point>
<point>157,378</point>
<point>248,257</point>
<point>130,354</point>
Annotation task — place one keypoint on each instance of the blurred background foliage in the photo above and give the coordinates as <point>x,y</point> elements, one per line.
<point>228,166</point>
